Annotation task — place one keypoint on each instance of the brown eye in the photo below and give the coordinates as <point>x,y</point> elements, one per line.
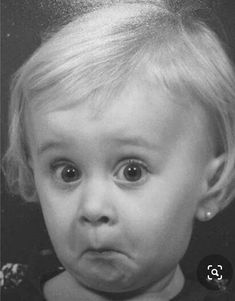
<point>132,172</point>
<point>70,174</point>
<point>66,173</point>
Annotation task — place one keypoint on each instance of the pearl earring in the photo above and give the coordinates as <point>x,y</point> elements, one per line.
<point>208,215</point>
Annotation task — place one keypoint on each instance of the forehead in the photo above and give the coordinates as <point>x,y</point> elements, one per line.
<point>141,112</point>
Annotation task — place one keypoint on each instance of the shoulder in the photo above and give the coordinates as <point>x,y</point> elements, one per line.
<point>191,291</point>
<point>65,287</point>
<point>54,288</point>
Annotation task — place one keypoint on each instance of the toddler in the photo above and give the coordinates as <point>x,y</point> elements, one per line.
<point>123,128</point>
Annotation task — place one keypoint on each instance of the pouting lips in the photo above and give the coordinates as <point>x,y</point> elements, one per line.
<point>102,251</point>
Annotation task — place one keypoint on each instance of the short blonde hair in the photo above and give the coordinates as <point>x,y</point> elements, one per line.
<point>97,52</point>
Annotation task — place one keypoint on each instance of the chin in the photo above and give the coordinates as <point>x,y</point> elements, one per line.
<point>111,276</point>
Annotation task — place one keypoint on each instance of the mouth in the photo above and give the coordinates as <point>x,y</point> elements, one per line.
<point>102,252</point>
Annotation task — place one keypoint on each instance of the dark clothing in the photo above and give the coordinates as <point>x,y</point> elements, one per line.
<point>24,282</point>
<point>194,291</point>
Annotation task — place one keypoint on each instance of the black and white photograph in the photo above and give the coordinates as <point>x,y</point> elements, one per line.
<point>117,150</point>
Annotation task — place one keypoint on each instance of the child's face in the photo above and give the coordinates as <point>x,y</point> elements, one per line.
<point>119,190</point>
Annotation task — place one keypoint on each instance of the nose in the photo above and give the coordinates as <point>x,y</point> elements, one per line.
<point>97,206</point>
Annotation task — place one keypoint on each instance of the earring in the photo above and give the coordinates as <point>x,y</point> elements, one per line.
<point>208,215</point>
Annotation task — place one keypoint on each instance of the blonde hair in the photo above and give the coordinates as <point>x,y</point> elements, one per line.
<point>97,52</point>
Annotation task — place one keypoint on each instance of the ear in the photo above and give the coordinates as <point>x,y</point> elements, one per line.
<point>211,203</point>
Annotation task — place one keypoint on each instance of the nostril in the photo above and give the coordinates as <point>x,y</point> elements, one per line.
<point>85,219</point>
<point>104,220</point>
<point>96,220</point>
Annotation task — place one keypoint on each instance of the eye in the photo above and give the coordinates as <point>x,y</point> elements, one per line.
<point>132,171</point>
<point>66,172</point>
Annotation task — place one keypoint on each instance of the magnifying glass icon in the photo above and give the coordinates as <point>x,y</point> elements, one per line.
<point>214,272</point>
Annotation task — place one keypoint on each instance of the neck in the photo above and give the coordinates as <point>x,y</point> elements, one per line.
<point>167,289</point>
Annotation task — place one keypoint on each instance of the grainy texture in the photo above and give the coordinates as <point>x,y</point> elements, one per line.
<point>23,23</point>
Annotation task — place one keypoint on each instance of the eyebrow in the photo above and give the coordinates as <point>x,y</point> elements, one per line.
<point>136,141</point>
<point>50,145</point>
<point>124,141</point>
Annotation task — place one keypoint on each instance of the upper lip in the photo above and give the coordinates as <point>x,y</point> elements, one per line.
<point>101,243</point>
<point>103,247</point>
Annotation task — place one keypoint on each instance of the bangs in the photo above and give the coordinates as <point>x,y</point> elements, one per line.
<point>95,56</point>
<point>85,59</point>
<point>72,67</point>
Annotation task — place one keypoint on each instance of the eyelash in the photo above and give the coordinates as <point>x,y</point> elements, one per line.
<point>56,165</point>
<point>136,162</point>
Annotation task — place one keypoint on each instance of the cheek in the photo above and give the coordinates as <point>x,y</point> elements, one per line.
<point>162,220</point>
<point>162,243</point>
<point>54,208</point>
<point>162,231</point>
<point>66,242</point>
